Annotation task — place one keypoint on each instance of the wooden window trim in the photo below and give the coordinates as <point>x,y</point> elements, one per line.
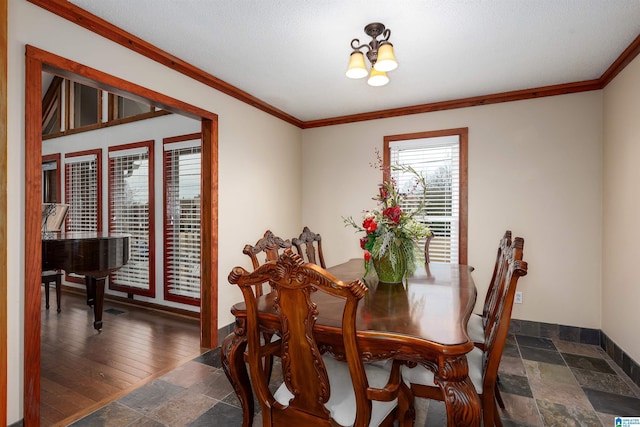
<point>167,295</point>
<point>57,159</point>
<point>70,107</point>
<point>151,292</point>
<point>463,134</point>
<point>52,102</point>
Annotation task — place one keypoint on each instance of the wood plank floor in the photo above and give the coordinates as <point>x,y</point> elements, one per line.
<point>82,370</point>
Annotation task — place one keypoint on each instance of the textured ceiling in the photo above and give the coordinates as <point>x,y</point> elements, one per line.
<point>292,54</point>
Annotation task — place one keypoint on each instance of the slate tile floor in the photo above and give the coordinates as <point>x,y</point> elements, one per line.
<point>543,383</point>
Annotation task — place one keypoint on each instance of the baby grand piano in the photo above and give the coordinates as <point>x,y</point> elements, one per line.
<point>92,254</point>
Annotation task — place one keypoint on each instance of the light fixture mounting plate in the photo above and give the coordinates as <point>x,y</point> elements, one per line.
<point>374,29</point>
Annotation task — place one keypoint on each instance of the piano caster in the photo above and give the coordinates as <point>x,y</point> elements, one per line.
<point>98,326</point>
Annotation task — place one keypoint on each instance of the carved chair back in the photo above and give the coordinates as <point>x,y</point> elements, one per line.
<point>304,369</point>
<point>497,328</point>
<point>309,244</point>
<point>492,295</point>
<point>427,242</point>
<point>269,246</point>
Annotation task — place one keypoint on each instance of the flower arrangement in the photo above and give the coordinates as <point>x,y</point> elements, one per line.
<point>389,229</point>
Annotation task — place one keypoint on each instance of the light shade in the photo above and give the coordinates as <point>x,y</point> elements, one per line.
<point>386,59</point>
<point>357,69</point>
<point>377,78</point>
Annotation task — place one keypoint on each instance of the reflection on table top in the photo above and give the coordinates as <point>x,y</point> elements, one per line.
<point>432,305</point>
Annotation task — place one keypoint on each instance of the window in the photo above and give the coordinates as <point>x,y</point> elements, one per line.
<point>182,165</point>
<point>84,106</point>
<point>51,178</point>
<point>52,106</point>
<point>441,157</point>
<point>80,108</point>
<point>83,191</point>
<point>121,107</point>
<point>131,212</point>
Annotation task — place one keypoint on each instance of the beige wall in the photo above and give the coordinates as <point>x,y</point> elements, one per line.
<point>534,167</point>
<point>620,284</point>
<point>258,186</point>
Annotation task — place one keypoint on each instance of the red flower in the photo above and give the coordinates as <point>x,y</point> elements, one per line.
<point>363,241</point>
<point>367,255</point>
<point>393,213</point>
<point>369,225</point>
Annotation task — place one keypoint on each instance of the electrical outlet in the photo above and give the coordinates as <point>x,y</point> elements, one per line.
<point>518,298</point>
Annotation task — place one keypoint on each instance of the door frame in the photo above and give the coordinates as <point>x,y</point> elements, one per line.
<point>37,61</point>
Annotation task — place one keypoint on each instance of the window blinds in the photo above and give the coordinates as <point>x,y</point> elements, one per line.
<point>437,159</point>
<point>82,192</point>
<point>182,164</point>
<point>129,185</point>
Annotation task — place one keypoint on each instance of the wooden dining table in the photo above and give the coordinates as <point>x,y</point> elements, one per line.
<point>421,321</point>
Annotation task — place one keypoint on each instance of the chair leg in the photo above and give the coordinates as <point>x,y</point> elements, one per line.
<point>58,291</point>
<point>46,294</point>
<point>406,409</point>
<point>499,397</point>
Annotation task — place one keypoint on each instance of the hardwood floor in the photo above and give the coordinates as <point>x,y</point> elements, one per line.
<point>83,370</point>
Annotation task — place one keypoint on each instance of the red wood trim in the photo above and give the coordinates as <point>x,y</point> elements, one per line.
<point>151,292</point>
<point>181,138</point>
<point>209,227</point>
<point>165,243</point>
<point>459,103</point>
<point>4,16</point>
<point>463,134</point>
<point>52,98</point>
<point>32,240</point>
<point>99,26</point>
<point>619,64</point>
<point>55,158</point>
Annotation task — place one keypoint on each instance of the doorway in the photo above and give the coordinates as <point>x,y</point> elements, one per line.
<point>38,61</point>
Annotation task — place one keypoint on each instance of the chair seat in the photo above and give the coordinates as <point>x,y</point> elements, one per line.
<point>423,376</point>
<point>342,402</point>
<point>475,329</point>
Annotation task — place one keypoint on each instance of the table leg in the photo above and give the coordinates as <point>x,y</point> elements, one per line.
<point>460,396</point>
<point>232,358</point>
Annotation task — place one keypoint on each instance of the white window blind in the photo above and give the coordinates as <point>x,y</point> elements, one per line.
<point>129,184</point>
<point>182,165</point>
<point>81,192</point>
<point>437,159</point>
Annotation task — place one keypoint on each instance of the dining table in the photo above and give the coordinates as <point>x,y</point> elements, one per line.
<point>419,321</point>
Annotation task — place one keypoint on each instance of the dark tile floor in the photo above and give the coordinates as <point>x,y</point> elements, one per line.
<point>543,382</point>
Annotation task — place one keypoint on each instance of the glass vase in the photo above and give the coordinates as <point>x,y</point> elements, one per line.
<point>387,270</point>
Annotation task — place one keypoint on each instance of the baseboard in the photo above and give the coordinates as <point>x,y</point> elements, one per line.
<point>582,336</point>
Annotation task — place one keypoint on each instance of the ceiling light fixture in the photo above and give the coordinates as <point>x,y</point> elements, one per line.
<point>379,53</point>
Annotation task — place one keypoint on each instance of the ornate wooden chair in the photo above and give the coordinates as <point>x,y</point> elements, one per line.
<point>427,242</point>
<point>313,252</point>
<point>317,390</point>
<point>483,363</point>
<point>270,245</point>
<point>477,323</point>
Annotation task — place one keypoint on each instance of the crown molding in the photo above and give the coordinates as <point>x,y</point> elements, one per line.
<point>101,27</point>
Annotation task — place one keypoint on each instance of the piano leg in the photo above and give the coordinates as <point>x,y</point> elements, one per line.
<point>95,293</point>
<point>91,290</point>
